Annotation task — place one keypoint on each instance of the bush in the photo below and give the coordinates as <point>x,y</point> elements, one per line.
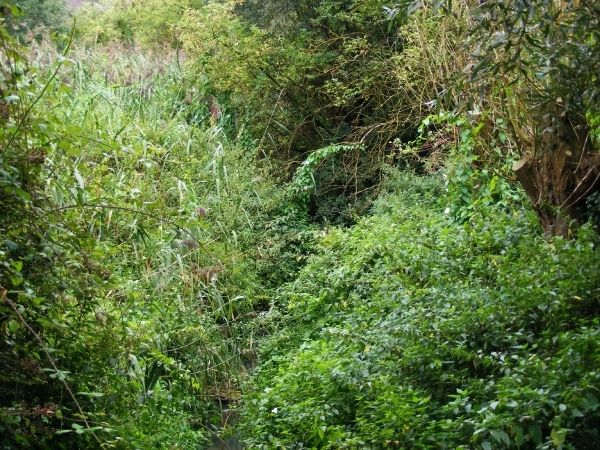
<point>35,18</point>
<point>151,24</point>
<point>406,331</point>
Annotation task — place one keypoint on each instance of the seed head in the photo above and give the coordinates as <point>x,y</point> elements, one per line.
<point>189,243</point>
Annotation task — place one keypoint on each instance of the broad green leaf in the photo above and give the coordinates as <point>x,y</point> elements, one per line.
<point>536,433</point>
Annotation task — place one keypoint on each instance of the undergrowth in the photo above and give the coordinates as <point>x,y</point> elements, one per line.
<point>408,331</point>
<point>134,251</point>
<point>163,282</point>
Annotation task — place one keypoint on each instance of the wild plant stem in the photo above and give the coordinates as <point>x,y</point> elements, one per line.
<point>40,95</point>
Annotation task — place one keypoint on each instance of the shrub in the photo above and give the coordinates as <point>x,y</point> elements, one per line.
<point>34,19</point>
<point>407,331</point>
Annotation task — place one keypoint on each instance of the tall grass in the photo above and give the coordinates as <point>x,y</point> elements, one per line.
<point>175,209</point>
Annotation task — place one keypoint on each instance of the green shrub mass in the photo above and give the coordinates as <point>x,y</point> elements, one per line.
<point>308,224</point>
<point>407,332</point>
<point>139,246</point>
<point>33,19</point>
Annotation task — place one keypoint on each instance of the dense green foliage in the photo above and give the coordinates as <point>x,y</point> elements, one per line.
<point>530,67</point>
<point>298,224</point>
<point>408,332</point>
<point>132,244</point>
<point>312,75</point>
<point>29,19</point>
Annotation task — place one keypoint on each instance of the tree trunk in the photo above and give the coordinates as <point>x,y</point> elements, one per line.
<point>560,172</point>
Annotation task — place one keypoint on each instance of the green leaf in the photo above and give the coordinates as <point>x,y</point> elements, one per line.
<point>536,433</point>
<point>505,438</point>
<point>21,438</point>
<point>496,435</point>
<point>518,434</point>
<point>576,413</point>
<point>24,195</point>
<point>13,325</point>
<point>321,431</point>
<point>79,179</point>
<point>10,245</point>
<point>92,394</point>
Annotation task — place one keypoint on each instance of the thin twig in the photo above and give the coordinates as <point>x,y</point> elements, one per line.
<point>214,433</point>
<point>369,132</point>
<point>268,123</point>
<point>37,337</point>
<point>583,152</point>
<point>577,188</point>
<point>586,192</point>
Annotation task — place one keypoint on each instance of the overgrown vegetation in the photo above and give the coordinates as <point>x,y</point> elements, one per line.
<point>404,332</point>
<point>132,246</point>
<point>310,224</point>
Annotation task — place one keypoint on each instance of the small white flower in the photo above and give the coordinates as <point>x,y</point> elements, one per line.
<point>447,211</point>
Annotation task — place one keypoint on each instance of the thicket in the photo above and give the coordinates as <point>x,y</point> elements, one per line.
<point>307,75</point>
<point>408,332</point>
<point>134,239</point>
<point>300,76</point>
<point>34,19</point>
<point>168,173</point>
<point>530,68</point>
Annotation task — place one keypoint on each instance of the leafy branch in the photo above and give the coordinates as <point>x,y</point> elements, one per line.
<point>304,179</point>
<point>25,116</point>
